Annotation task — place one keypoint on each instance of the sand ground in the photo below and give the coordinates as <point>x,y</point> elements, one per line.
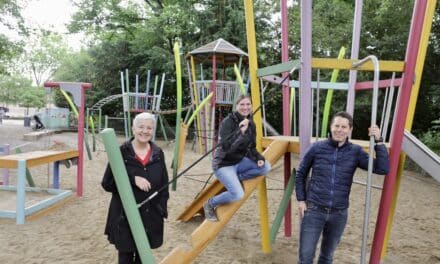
<point>73,233</point>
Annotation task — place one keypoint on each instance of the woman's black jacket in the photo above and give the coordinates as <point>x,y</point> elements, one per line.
<point>152,213</point>
<point>234,145</point>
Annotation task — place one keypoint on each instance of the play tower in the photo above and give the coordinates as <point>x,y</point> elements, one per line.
<point>211,69</point>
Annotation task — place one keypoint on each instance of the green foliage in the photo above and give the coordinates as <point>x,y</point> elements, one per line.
<point>102,18</point>
<point>385,28</point>
<point>428,106</point>
<point>46,50</point>
<point>10,20</point>
<point>32,97</point>
<point>141,38</point>
<point>431,138</point>
<point>12,87</point>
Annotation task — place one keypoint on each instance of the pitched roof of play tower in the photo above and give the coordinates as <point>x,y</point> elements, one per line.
<point>225,52</point>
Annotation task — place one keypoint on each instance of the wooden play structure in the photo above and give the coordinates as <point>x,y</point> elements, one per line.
<point>138,100</point>
<point>22,161</point>
<point>408,68</point>
<point>281,146</point>
<point>207,70</point>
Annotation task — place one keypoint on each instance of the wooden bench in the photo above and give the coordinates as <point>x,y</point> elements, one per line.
<point>21,162</point>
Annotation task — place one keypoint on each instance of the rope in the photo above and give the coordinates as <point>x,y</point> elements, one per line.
<point>204,186</point>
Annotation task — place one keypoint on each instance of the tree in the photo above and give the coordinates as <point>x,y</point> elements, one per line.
<point>10,20</point>
<point>428,106</point>
<point>11,87</point>
<point>141,38</point>
<point>32,97</point>
<point>44,53</point>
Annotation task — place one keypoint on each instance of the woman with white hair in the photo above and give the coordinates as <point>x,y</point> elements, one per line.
<point>146,169</point>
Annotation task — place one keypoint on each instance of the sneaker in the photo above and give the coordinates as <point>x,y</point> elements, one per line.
<point>210,212</point>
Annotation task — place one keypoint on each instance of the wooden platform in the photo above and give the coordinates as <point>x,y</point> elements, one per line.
<point>294,142</point>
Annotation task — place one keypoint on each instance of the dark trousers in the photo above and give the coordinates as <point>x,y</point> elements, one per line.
<point>319,221</point>
<point>129,258</point>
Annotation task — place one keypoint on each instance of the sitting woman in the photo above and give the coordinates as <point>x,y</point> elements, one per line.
<point>38,124</point>
<point>236,158</point>
<point>146,169</point>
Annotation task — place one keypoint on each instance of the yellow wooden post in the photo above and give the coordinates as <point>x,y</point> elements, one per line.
<point>255,92</point>
<point>196,102</point>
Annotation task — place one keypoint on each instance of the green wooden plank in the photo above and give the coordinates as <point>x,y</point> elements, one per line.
<point>279,68</point>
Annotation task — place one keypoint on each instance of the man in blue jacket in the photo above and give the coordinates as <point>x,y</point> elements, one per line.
<point>323,200</point>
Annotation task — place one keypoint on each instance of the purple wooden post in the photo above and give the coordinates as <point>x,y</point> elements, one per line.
<point>6,149</point>
<point>305,91</point>
<point>286,112</point>
<point>354,55</point>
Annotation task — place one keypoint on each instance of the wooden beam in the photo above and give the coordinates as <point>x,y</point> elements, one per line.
<point>332,63</point>
<point>36,158</point>
<point>347,64</point>
<point>278,68</point>
<point>294,146</point>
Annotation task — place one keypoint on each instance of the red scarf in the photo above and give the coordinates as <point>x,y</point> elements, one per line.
<point>144,161</point>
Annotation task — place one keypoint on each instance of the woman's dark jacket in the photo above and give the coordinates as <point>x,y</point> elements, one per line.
<point>152,213</point>
<point>333,168</point>
<point>234,145</point>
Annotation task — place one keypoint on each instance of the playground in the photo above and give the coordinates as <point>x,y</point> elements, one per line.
<point>402,228</point>
<point>73,233</point>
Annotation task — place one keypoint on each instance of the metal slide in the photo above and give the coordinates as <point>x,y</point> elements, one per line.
<point>208,230</point>
<point>422,155</point>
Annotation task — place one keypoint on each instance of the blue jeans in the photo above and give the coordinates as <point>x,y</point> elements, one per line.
<point>317,221</point>
<point>230,177</point>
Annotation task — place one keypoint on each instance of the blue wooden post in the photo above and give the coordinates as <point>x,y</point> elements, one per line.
<point>147,90</point>
<point>56,174</point>
<point>21,192</point>
<point>136,99</point>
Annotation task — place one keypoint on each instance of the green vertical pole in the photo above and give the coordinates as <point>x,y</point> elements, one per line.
<point>86,143</point>
<point>179,111</point>
<point>99,120</point>
<point>29,178</point>
<point>126,193</point>
<point>92,127</point>
<point>283,206</point>
<point>163,128</point>
<point>293,111</point>
<point>87,118</point>
<point>328,99</point>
